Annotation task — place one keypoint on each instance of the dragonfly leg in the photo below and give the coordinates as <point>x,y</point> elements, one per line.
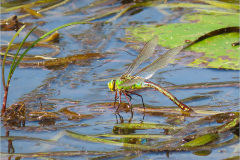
<point>120,117</point>
<point>119,101</point>
<point>130,97</point>
<point>115,98</point>
<point>130,119</point>
<point>139,96</point>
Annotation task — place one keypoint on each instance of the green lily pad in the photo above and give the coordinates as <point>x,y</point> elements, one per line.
<point>213,52</point>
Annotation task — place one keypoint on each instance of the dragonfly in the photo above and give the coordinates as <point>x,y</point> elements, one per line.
<point>128,82</point>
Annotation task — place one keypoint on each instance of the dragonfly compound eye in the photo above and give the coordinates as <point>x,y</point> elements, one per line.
<point>111,85</point>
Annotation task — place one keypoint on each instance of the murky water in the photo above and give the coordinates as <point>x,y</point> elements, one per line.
<point>77,87</point>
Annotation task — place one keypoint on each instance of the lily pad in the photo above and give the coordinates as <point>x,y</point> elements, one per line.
<point>213,52</point>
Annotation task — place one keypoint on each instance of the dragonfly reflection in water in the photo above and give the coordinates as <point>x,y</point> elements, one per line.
<point>126,82</point>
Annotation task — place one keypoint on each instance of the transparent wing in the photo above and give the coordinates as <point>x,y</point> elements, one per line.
<point>146,52</point>
<point>106,79</point>
<point>159,63</point>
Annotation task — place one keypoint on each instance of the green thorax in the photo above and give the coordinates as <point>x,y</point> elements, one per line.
<point>116,84</point>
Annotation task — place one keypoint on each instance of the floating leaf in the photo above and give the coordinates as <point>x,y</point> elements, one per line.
<point>201,140</point>
<point>105,141</point>
<point>75,116</point>
<point>232,158</point>
<point>212,52</point>
<point>147,126</point>
<point>203,152</point>
<point>140,136</point>
<point>51,37</point>
<point>222,4</point>
<point>228,126</point>
<point>32,12</point>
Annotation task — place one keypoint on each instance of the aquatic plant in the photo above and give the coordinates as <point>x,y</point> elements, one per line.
<point>17,59</point>
<point>13,66</point>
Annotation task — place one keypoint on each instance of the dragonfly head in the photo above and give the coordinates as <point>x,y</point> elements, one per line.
<point>111,85</point>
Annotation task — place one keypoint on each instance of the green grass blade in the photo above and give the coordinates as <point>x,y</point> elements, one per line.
<point>45,35</point>
<point>140,136</point>
<point>5,56</point>
<point>147,126</point>
<point>227,126</point>
<point>202,140</point>
<point>104,141</point>
<point>13,62</point>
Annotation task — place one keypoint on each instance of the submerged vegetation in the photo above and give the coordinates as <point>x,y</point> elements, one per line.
<point>188,138</point>
<point>70,112</point>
